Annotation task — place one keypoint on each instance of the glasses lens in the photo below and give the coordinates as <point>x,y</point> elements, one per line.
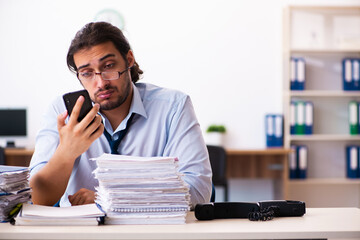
<point>86,76</point>
<point>110,75</point>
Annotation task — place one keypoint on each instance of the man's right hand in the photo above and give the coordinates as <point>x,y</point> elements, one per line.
<point>76,137</point>
<point>50,183</point>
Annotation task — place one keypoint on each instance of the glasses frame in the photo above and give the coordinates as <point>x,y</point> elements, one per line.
<point>101,74</point>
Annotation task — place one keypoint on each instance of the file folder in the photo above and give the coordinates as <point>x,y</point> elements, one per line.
<point>297,73</point>
<point>347,74</point>
<point>293,74</point>
<point>353,117</point>
<point>292,117</point>
<point>293,166</point>
<point>300,118</point>
<point>358,117</point>
<point>355,74</point>
<point>302,155</point>
<point>274,130</point>
<point>352,161</point>
<point>278,130</point>
<point>309,117</point>
<point>269,126</point>
<point>300,73</point>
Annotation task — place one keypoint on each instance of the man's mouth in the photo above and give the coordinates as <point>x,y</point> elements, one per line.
<point>104,94</point>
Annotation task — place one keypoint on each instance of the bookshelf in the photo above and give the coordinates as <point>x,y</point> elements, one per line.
<point>323,37</point>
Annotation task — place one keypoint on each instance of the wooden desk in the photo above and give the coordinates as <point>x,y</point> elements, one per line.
<point>319,223</point>
<point>18,156</point>
<point>271,163</point>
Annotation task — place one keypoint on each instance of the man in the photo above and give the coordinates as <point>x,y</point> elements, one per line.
<point>157,122</point>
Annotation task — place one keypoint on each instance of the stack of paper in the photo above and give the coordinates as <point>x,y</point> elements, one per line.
<point>88,214</point>
<point>141,190</point>
<point>14,190</point>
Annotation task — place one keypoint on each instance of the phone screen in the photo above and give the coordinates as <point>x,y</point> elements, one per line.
<point>70,100</point>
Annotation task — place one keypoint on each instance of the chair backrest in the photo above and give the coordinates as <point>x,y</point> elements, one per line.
<point>217,156</point>
<point>2,156</point>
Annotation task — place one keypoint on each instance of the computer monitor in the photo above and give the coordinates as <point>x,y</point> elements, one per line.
<point>13,124</point>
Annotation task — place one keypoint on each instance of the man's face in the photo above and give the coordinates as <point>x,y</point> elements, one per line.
<point>104,57</point>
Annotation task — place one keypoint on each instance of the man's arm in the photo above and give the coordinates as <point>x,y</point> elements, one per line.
<point>49,184</point>
<point>187,143</point>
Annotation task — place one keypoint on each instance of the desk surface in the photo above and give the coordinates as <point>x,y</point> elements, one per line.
<point>263,151</point>
<point>316,223</point>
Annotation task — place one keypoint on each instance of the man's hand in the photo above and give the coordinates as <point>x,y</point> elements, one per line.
<point>76,137</point>
<point>83,196</point>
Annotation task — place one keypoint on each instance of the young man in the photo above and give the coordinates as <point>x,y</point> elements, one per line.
<point>157,122</point>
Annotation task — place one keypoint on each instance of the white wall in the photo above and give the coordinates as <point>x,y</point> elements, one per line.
<point>225,54</point>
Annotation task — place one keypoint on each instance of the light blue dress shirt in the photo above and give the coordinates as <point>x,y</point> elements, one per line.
<point>164,125</point>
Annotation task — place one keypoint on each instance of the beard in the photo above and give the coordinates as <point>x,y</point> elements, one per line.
<point>121,98</point>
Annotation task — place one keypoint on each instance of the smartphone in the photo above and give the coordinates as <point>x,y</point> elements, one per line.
<point>70,100</point>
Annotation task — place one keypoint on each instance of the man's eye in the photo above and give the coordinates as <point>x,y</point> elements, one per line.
<point>107,66</point>
<point>86,74</point>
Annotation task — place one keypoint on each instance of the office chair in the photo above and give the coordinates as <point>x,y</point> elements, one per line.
<point>217,156</point>
<point>2,156</point>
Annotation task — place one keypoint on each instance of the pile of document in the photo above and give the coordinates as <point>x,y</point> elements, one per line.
<point>14,190</point>
<point>141,190</point>
<point>38,215</point>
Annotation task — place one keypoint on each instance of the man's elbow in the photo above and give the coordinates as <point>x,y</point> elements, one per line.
<point>40,194</point>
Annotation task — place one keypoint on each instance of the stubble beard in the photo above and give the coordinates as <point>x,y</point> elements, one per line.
<point>110,105</point>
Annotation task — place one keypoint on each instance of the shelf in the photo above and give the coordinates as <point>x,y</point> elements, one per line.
<point>325,137</point>
<point>324,93</point>
<point>327,181</point>
<point>323,51</point>
<point>321,36</point>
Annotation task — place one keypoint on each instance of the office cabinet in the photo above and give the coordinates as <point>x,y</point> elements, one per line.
<point>18,156</point>
<point>322,36</point>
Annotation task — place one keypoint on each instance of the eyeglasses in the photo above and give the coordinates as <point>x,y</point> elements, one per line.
<point>90,76</point>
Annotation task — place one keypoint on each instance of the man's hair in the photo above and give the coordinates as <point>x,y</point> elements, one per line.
<point>95,33</point>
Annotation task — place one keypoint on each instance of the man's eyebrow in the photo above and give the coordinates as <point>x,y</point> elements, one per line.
<point>106,56</point>
<point>83,66</point>
<point>101,59</point>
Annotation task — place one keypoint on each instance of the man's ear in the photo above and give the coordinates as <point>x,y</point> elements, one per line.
<point>130,58</point>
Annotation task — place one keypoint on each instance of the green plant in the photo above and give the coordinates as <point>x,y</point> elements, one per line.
<point>216,128</point>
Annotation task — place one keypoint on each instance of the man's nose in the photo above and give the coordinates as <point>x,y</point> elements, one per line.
<point>100,80</point>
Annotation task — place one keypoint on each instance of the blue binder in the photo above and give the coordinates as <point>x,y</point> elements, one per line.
<point>279,133</point>
<point>352,161</point>
<point>347,74</point>
<point>297,73</point>
<point>274,130</point>
<point>356,74</point>
<point>293,166</point>
<point>293,74</point>
<point>309,117</point>
<point>300,73</point>
<point>302,157</point>
<point>269,128</point>
<point>292,117</point>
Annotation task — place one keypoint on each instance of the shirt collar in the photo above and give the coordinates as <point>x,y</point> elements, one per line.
<point>136,106</point>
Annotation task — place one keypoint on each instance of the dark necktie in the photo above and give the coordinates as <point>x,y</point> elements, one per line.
<point>114,144</point>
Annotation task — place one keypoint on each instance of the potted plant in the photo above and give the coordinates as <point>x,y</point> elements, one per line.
<point>215,134</point>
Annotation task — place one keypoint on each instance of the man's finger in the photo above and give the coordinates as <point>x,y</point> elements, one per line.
<point>76,110</point>
<point>61,119</point>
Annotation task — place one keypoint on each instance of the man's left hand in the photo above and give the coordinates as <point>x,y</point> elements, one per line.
<point>83,196</point>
